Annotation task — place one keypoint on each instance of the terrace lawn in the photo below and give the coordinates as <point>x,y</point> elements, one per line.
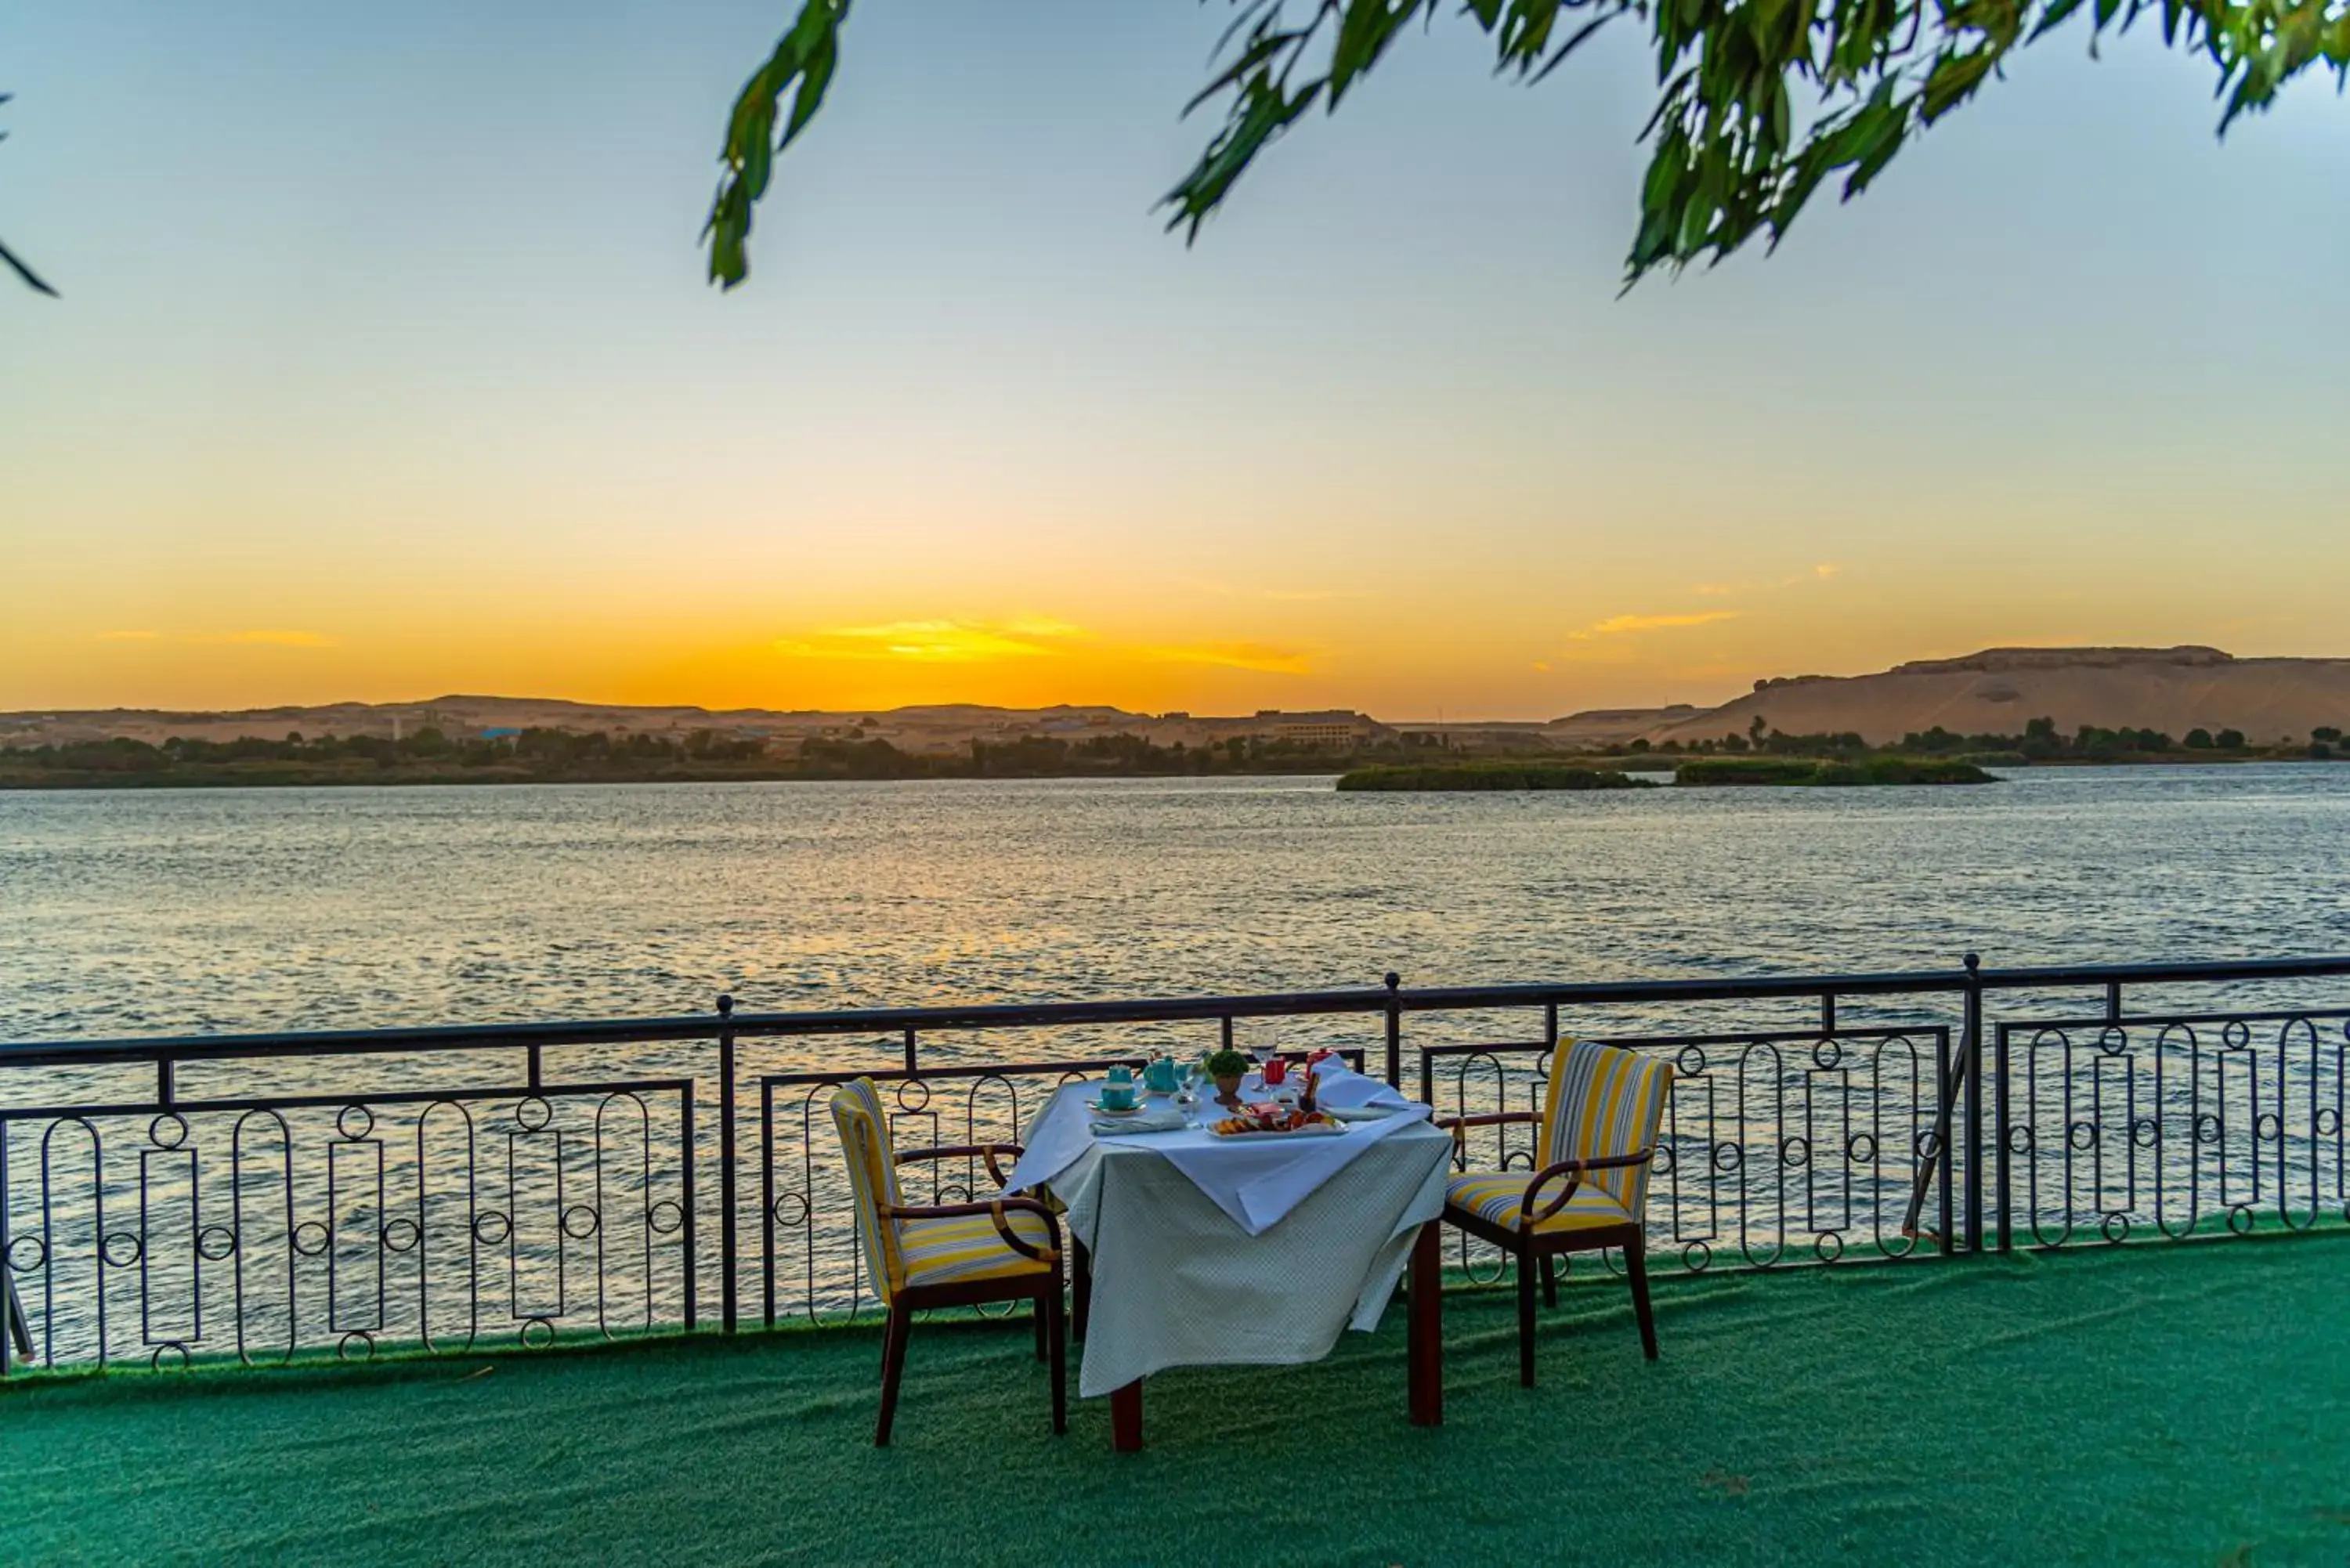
<point>2158,1404</point>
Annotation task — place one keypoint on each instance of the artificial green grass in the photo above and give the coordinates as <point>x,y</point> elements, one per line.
<point>2155,1404</point>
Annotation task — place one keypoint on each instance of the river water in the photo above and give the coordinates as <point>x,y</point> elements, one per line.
<point>127,912</point>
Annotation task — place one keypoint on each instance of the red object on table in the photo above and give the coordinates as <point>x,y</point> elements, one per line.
<point>1276,1071</point>
<point>1312,1061</point>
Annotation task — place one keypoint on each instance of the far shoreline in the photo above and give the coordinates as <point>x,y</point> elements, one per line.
<point>46,782</point>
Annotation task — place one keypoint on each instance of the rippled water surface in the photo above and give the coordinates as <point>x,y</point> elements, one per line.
<point>135,912</point>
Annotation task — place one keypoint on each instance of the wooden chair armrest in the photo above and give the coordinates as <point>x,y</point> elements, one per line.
<point>986,1151</point>
<point>994,1208</point>
<point>1457,1125</point>
<point>1575,1169</point>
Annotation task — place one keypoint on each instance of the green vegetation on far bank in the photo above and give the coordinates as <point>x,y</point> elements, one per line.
<point>1415,760</point>
<point>1803,772</point>
<point>1493,773</point>
<point>701,756</point>
<point>2041,742</point>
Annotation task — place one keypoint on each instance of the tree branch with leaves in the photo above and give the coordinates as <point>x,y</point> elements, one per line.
<point>1759,103</point>
<point>8,257</point>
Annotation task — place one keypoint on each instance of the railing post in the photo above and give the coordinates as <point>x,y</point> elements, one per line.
<point>727,1260</point>
<point>1395,1033</point>
<point>17,1329</point>
<point>1999,1132</point>
<point>692,1251</point>
<point>768,1198</point>
<point>2113,1001</point>
<point>1944,1155</point>
<point>1827,1015</point>
<point>1972,1046</point>
<point>912,1053</point>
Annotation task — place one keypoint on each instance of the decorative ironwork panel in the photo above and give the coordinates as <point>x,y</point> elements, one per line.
<point>261,1229</point>
<point>2109,1129</point>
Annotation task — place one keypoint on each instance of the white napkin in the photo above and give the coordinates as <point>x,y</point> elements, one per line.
<point>1340,1087</point>
<point>1165,1119</point>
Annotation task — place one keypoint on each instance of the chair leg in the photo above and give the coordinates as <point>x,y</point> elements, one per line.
<point>1526,1267</point>
<point>1636,1268</point>
<point>1056,1326</point>
<point>1550,1280</point>
<point>1081,1289</point>
<point>893,1362</point>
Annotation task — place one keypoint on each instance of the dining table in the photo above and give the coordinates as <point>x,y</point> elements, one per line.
<point>1199,1249</point>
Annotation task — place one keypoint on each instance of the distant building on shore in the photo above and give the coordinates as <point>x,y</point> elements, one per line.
<point>1334,728</point>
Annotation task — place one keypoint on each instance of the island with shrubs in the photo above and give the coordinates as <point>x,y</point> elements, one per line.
<point>1882,769</point>
<point>1694,771</point>
<point>1493,773</point>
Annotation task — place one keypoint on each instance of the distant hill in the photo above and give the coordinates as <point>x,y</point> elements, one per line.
<point>1997,691</point>
<point>1614,726</point>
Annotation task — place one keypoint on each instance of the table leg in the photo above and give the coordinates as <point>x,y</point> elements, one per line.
<point>1424,1359</point>
<point>1125,1417</point>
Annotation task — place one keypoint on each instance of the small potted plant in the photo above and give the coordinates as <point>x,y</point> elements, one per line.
<point>1227,1067</point>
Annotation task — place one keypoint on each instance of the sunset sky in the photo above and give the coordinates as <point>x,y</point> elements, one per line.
<point>385,369</point>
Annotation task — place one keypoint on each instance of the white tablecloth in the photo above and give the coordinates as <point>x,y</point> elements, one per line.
<point>1177,1282</point>
<point>1257,1181</point>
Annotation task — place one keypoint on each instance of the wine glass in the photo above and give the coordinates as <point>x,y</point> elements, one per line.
<point>1187,1092</point>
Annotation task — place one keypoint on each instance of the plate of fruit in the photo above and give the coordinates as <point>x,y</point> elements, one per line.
<point>1269,1121</point>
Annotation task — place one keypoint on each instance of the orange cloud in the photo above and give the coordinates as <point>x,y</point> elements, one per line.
<point>957,641</point>
<point>1263,657</point>
<point>1618,625</point>
<point>935,642</point>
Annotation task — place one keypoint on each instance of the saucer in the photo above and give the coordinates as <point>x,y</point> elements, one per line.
<point>1099,1109</point>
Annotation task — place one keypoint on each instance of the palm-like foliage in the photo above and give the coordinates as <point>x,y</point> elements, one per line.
<point>8,257</point>
<point>1759,103</point>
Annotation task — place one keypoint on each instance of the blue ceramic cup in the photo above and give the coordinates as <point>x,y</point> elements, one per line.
<point>1118,1093</point>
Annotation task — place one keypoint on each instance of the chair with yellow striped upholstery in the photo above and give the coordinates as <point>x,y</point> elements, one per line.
<point>1597,1134</point>
<point>947,1254</point>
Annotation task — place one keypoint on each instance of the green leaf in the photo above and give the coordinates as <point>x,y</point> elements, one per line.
<point>32,278</point>
<point>801,64</point>
<point>2058,10</point>
<point>1262,112</point>
<point>1364,31</point>
<point>1952,80</point>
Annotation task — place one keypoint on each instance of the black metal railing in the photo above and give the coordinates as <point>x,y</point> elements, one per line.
<point>265,1196</point>
<point>2184,1123</point>
<point>1773,1144</point>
